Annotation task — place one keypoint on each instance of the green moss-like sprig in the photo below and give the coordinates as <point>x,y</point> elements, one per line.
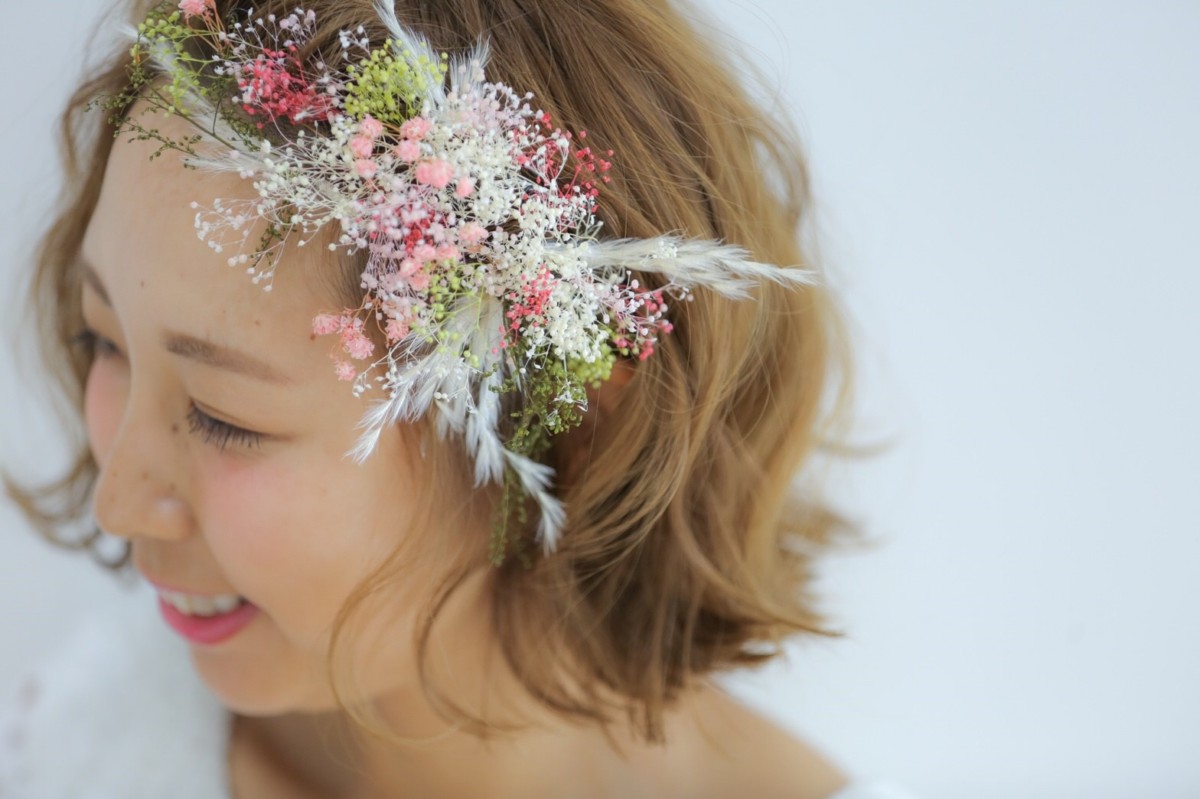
<point>390,83</point>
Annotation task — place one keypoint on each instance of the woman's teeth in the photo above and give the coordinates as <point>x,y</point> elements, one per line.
<point>195,605</point>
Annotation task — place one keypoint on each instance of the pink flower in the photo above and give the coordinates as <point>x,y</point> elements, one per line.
<point>419,281</point>
<point>370,127</point>
<point>447,252</point>
<point>415,128</point>
<point>344,370</point>
<point>472,233</point>
<point>195,8</point>
<point>360,347</point>
<point>464,188</point>
<point>424,252</point>
<point>407,151</point>
<point>409,266</point>
<point>366,168</point>
<point>352,326</point>
<point>435,172</point>
<point>325,324</point>
<point>362,147</point>
<point>396,330</point>
<point>273,85</point>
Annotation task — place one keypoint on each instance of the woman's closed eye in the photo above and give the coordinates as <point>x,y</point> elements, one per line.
<point>213,431</point>
<point>94,344</point>
<point>220,434</point>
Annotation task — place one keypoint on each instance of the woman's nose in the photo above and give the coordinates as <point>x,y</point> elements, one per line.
<point>138,493</point>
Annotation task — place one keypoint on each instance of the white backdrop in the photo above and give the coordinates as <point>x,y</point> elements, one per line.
<point>1008,198</point>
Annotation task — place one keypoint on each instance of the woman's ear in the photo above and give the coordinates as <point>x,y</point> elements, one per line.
<point>603,401</point>
<point>578,442</point>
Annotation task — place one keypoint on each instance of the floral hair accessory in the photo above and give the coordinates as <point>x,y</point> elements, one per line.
<point>485,273</point>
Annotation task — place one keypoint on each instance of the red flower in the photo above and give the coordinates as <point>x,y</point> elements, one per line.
<point>270,89</point>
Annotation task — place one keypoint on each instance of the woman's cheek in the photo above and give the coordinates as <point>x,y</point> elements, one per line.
<point>258,520</point>
<point>280,540</point>
<point>103,405</point>
<point>249,501</point>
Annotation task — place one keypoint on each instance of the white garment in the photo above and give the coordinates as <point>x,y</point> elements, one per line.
<point>118,713</point>
<point>872,790</point>
<point>121,714</point>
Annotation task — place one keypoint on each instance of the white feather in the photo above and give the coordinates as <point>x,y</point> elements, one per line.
<point>482,426</point>
<point>373,423</point>
<point>482,436</point>
<point>724,268</point>
<point>467,71</point>
<point>535,481</point>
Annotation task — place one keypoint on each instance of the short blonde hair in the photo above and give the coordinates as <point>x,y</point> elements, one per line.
<point>687,549</point>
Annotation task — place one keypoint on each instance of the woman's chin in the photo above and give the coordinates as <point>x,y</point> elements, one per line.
<point>249,687</point>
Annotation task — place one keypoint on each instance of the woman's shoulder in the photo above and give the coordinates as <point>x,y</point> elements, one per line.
<point>744,753</point>
<point>116,712</point>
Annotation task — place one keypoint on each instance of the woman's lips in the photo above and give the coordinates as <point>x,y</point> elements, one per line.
<point>208,630</point>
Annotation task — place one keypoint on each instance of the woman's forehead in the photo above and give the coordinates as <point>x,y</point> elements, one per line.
<point>143,246</point>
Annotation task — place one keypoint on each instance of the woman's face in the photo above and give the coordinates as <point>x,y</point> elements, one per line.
<point>221,435</point>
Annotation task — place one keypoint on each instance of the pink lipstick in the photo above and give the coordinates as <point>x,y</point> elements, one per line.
<point>208,630</point>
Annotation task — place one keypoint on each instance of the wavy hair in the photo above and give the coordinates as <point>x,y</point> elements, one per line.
<point>688,549</point>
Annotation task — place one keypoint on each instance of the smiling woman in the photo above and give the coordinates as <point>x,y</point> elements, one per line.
<point>556,497</point>
<point>262,500</point>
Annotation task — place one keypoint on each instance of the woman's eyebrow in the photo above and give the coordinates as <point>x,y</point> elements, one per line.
<point>221,357</point>
<point>197,349</point>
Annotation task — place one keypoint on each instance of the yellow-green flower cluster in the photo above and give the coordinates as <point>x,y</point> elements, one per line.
<point>595,372</point>
<point>167,34</point>
<point>390,83</point>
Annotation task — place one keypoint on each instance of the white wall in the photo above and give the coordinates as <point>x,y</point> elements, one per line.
<point>1008,198</point>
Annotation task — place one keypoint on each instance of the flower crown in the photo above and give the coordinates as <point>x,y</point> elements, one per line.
<point>485,272</point>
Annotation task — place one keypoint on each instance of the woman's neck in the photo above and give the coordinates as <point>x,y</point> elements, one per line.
<point>306,756</point>
<point>324,755</point>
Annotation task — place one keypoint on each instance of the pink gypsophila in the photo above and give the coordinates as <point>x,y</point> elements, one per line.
<point>359,347</point>
<point>371,127</point>
<point>407,151</point>
<point>416,128</point>
<point>325,324</point>
<point>362,147</point>
<point>435,172</point>
<point>195,8</point>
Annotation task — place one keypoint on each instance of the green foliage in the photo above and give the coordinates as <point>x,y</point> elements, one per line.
<point>390,83</point>
<point>594,373</point>
<point>163,37</point>
<point>553,397</point>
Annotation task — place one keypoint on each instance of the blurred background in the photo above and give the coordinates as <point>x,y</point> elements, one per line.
<point>1007,198</point>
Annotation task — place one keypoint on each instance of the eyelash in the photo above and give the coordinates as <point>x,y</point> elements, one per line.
<point>94,344</point>
<point>212,431</point>
<point>219,433</point>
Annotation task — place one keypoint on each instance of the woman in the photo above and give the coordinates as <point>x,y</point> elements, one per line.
<point>557,499</point>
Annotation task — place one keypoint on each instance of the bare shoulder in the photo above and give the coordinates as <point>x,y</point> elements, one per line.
<point>731,750</point>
